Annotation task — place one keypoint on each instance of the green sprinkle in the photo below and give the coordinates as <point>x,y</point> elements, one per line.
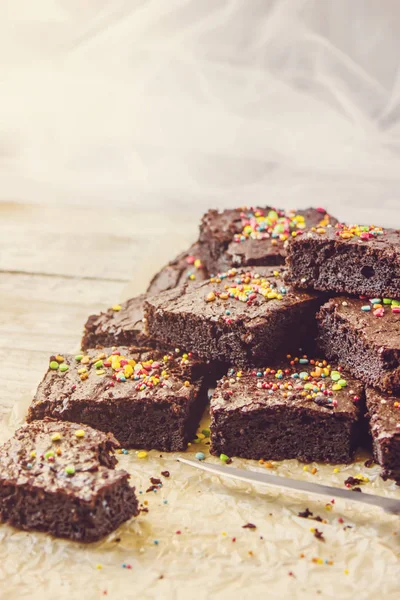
<point>54,365</point>
<point>308,386</point>
<point>342,382</point>
<point>206,432</point>
<point>70,470</point>
<point>98,364</point>
<point>395,302</point>
<point>64,367</point>
<point>335,375</point>
<point>224,458</point>
<point>387,301</point>
<point>79,357</point>
<point>49,454</point>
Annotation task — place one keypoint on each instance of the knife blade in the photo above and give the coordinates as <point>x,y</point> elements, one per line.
<point>390,505</point>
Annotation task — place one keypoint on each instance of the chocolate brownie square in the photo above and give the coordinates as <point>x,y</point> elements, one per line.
<point>185,268</point>
<point>253,236</point>
<point>364,335</point>
<point>121,325</point>
<point>145,398</point>
<point>60,478</point>
<point>304,408</point>
<point>240,317</point>
<point>384,420</point>
<point>347,259</point>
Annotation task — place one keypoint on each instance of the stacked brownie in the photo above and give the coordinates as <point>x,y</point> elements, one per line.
<point>252,309</point>
<point>361,331</point>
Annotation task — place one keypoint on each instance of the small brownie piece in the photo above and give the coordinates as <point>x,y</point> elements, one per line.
<point>305,409</point>
<point>365,337</point>
<point>146,399</point>
<point>384,421</point>
<point>59,477</point>
<point>351,260</point>
<point>240,317</point>
<point>186,267</point>
<point>121,325</point>
<point>253,236</point>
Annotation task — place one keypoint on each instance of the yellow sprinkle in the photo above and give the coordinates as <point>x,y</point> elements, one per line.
<point>305,468</point>
<point>336,387</point>
<point>99,567</point>
<point>201,436</point>
<point>328,506</point>
<point>56,437</point>
<point>336,470</point>
<point>224,533</point>
<point>85,360</point>
<point>83,370</point>
<point>80,433</point>
<point>320,561</point>
<point>116,307</point>
<point>84,376</point>
<point>210,297</point>
<point>141,454</point>
<point>187,383</point>
<point>33,454</point>
<point>346,571</point>
<point>59,358</point>
<point>100,372</point>
<point>312,529</point>
<point>197,263</point>
<point>128,371</point>
<point>276,273</point>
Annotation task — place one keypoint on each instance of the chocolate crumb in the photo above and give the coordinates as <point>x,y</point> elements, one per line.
<point>356,489</point>
<point>155,481</point>
<point>368,463</point>
<point>165,473</point>
<point>319,519</point>
<point>319,535</point>
<point>152,488</point>
<point>249,526</point>
<point>352,481</point>
<point>305,514</point>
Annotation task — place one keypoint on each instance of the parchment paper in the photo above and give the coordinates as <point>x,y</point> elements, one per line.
<point>213,556</point>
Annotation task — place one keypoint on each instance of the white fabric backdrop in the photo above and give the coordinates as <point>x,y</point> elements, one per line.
<point>186,104</point>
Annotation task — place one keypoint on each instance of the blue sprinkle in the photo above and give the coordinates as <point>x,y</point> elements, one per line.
<point>279,376</point>
<point>124,565</point>
<point>165,501</point>
<point>122,378</point>
<point>282,290</point>
<point>259,374</point>
<point>156,542</point>
<point>303,361</point>
<point>124,451</point>
<point>366,308</point>
<point>200,456</point>
<point>29,466</point>
<point>227,312</point>
<point>295,376</point>
<point>155,491</point>
<point>140,492</point>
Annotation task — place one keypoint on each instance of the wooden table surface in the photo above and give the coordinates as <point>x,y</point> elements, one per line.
<point>59,264</point>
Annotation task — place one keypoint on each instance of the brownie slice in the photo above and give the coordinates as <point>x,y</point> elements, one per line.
<point>240,317</point>
<point>365,337</point>
<point>121,325</point>
<point>353,260</point>
<point>304,409</point>
<point>60,478</point>
<point>186,267</point>
<point>253,236</point>
<point>384,419</point>
<point>146,399</point>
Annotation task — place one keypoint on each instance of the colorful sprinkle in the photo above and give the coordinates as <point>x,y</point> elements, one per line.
<point>141,454</point>
<point>200,456</point>
<point>70,470</point>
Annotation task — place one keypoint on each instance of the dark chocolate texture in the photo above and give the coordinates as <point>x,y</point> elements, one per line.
<point>384,419</point>
<point>253,236</point>
<point>59,477</point>
<point>306,410</point>
<point>367,342</point>
<point>350,260</point>
<point>185,268</point>
<point>242,317</point>
<point>118,326</point>
<point>147,399</point>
